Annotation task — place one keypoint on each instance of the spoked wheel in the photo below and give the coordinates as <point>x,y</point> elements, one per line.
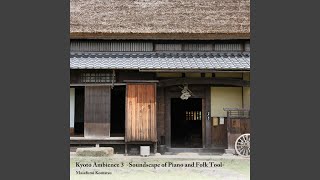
<point>242,145</point>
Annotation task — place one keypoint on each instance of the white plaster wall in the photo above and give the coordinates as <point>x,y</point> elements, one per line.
<point>225,97</point>
<point>72,103</point>
<point>246,97</point>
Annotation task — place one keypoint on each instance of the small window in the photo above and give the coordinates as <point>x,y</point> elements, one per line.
<point>193,115</point>
<point>96,77</point>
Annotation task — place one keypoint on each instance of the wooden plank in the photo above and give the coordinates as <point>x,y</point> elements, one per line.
<point>140,81</point>
<point>219,135</point>
<point>97,111</point>
<point>97,84</point>
<point>232,137</point>
<point>96,138</point>
<point>234,131</point>
<point>71,131</point>
<point>245,126</point>
<point>134,75</point>
<point>203,119</point>
<point>141,112</point>
<point>160,114</point>
<point>157,36</point>
<point>97,142</point>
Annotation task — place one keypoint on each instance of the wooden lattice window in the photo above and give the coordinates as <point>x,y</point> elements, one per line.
<point>96,77</point>
<point>193,115</point>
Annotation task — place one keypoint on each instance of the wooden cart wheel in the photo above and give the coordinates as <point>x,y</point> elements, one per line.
<point>242,145</point>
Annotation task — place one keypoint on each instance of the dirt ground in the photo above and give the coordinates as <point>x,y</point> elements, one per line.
<point>160,167</point>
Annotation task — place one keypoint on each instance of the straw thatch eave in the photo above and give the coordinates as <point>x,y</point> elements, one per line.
<point>160,19</point>
<point>159,36</point>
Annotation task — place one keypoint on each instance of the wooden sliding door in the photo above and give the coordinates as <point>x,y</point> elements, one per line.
<point>97,111</point>
<point>141,112</point>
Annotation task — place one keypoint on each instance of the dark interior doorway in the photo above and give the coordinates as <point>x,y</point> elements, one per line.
<point>79,112</point>
<point>186,123</point>
<point>118,94</point>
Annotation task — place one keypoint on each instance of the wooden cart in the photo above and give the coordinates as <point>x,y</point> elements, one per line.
<point>238,130</point>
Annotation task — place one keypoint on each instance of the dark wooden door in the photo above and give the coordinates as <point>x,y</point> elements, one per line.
<point>97,111</point>
<point>141,112</point>
<point>219,134</point>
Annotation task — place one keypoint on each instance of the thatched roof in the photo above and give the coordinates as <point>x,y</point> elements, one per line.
<point>149,19</point>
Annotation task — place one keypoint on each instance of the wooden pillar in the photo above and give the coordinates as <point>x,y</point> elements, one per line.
<point>125,149</point>
<point>155,148</point>
<point>208,121</point>
<point>167,114</point>
<point>233,134</point>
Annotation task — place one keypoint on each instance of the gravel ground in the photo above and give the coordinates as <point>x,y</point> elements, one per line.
<point>233,167</point>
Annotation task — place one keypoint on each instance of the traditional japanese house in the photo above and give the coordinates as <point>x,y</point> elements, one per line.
<point>171,73</point>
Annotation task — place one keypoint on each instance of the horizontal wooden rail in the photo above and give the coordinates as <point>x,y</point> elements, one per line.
<point>213,80</point>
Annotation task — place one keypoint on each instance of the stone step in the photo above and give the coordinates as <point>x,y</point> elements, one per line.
<point>95,151</point>
<point>208,151</point>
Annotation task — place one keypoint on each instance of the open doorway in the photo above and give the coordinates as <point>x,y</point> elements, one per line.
<point>78,110</point>
<point>118,94</point>
<point>186,123</point>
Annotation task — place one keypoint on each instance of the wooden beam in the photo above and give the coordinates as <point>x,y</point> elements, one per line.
<point>98,139</point>
<point>207,123</point>
<point>208,81</point>
<point>140,81</point>
<point>159,36</point>
<point>96,84</point>
<point>106,140</point>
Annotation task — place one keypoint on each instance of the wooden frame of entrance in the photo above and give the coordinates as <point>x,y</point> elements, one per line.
<point>202,92</point>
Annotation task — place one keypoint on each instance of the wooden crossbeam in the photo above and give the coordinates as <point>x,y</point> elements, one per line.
<point>204,80</point>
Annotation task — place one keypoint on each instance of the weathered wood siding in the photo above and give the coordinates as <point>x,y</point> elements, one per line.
<point>134,75</point>
<point>97,111</point>
<point>237,127</point>
<point>161,114</point>
<point>219,135</point>
<point>141,113</point>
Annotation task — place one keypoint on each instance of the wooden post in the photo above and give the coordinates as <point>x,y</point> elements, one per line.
<point>155,148</point>
<point>125,149</point>
<point>207,109</point>
<point>233,134</point>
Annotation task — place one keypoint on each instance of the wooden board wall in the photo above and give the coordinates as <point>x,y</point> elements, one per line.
<point>236,128</point>
<point>141,112</point>
<point>219,135</point>
<point>97,111</point>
